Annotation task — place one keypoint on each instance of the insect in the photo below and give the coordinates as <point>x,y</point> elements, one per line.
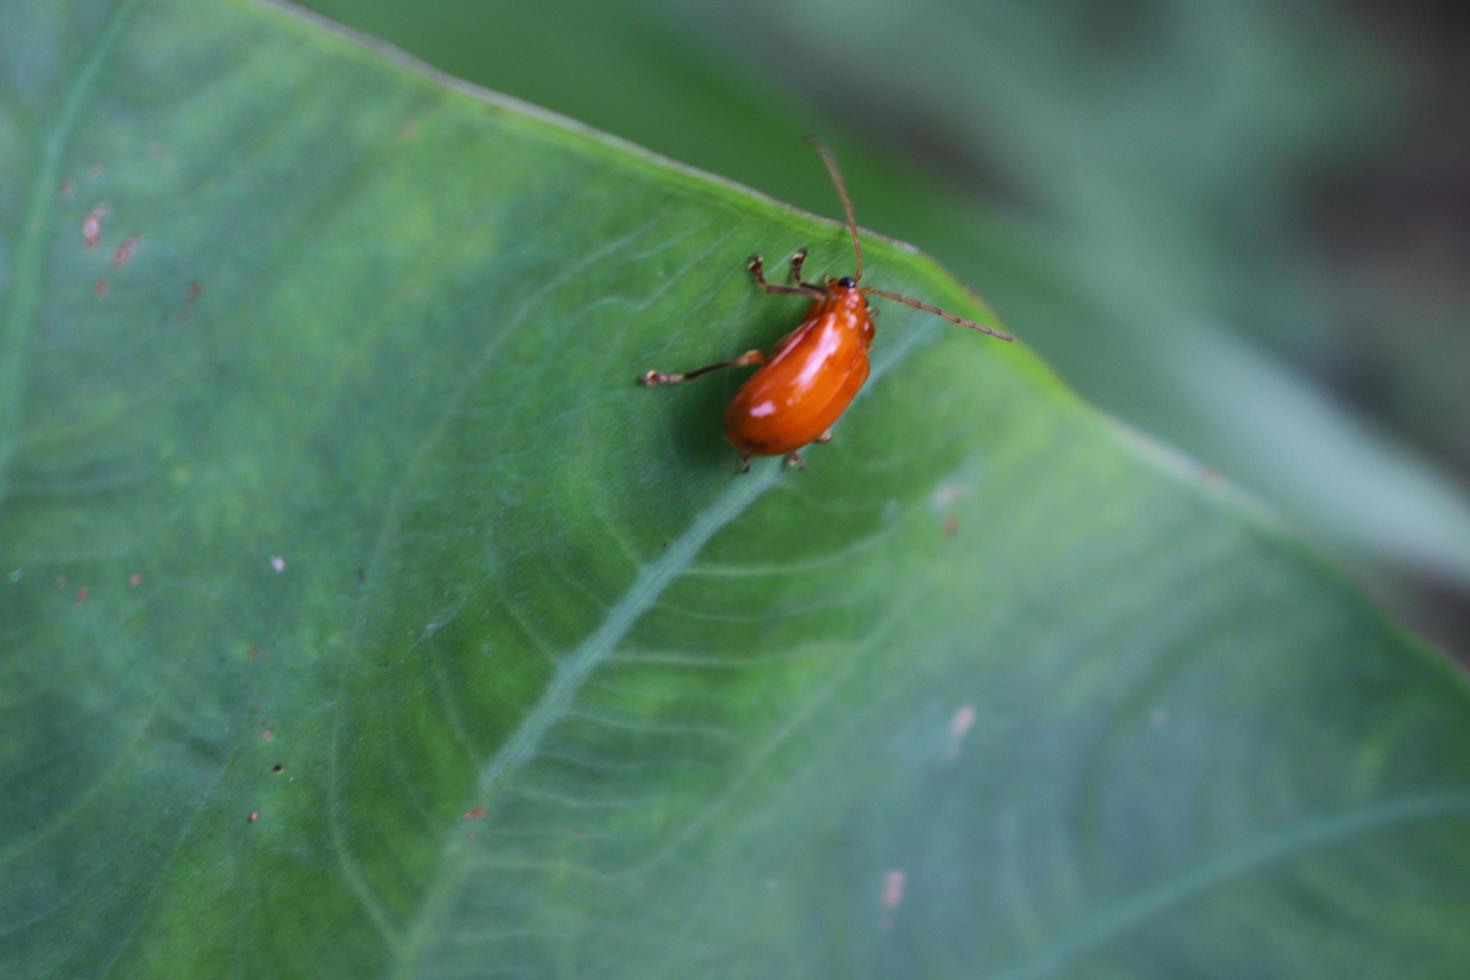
<point>806,383</point>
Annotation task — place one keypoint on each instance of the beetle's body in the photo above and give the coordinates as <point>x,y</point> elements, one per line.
<point>809,380</point>
<point>815,372</point>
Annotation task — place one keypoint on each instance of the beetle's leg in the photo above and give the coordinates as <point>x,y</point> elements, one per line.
<point>825,436</point>
<point>659,378</point>
<point>745,462</point>
<point>756,270</point>
<point>794,459</point>
<point>796,261</point>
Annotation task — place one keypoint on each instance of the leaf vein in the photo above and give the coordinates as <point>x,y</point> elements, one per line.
<point>25,301</point>
<point>1105,924</point>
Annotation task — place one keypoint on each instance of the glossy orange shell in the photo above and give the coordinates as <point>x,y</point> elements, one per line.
<point>811,378</point>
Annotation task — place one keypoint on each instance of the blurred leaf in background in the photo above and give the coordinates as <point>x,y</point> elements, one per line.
<point>1138,187</point>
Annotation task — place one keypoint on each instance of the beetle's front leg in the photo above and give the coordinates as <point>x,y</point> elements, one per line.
<point>757,270</point>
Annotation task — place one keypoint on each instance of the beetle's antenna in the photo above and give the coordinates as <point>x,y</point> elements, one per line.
<point>836,175</point>
<point>938,312</point>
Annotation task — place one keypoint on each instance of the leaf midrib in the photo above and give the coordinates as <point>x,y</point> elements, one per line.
<point>21,312</point>
<point>573,671</point>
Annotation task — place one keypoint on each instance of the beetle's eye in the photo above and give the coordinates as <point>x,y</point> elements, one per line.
<point>847,282</point>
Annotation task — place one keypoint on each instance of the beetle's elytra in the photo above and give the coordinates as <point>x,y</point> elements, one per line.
<point>806,383</point>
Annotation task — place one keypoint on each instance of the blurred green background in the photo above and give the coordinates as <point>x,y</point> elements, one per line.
<point>1241,227</point>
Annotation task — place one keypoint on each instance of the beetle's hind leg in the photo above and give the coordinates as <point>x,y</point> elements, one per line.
<point>660,378</point>
<point>794,459</point>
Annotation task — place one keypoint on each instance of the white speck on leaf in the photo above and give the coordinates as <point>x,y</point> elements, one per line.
<point>948,493</point>
<point>893,887</point>
<point>278,563</point>
<point>92,225</point>
<point>960,724</point>
<point>893,883</point>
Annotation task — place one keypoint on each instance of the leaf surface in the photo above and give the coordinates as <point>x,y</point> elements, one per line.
<point>1134,212</point>
<point>361,617</point>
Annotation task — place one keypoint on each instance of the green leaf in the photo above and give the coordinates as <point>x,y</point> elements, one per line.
<point>361,617</point>
<point>1153,198</point>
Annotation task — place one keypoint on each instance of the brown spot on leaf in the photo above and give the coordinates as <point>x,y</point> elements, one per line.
<point>135,580</point>
<point>474,814</point>
<point>99,289</point>
<point>123,252</point>
<point>83,594</point>
<point>254,816</point>
<point>191,296</point>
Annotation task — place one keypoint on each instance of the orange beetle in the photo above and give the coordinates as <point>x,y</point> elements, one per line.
<point>814,373</point>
